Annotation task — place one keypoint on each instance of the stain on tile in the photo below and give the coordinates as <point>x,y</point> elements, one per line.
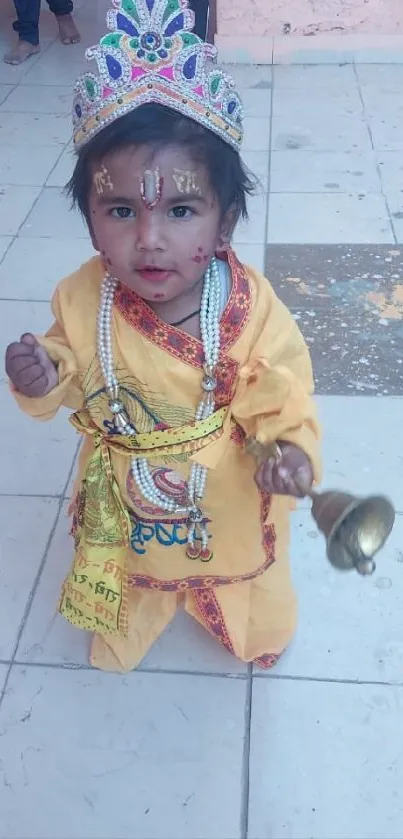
<point>348,301</point>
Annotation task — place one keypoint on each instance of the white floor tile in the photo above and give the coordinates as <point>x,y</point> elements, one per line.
<point>29,130</point>
<point>5,90</point>
<point>15,204</point>
<point>382,101</point>
<point>325,761</point>
<point>316,171</point>
<point>36,457</point>
<point>144,742</point>
<point>63,170</point>
<point>3,675</point>
<point>42,463</point>
<point>19,168</point>
<point>49,260</point>
<point>395,203</point>
<point>308,77</point>
<point>320,131</point>
<point>38,99</point>
<point>5,242</point>
<point>351,460</point>
<point>10,75</point>
<point>48,638</point>
<point>256,103</point>
<point>252,255</point>
<point>257,164</point>
<point>250,76</point>
<point>345,101</point>
<point>58,67</point>
<point>26,524</point>
<point>359,618</point>
<point>252,231</point>
<point>52,218</point>
<point>391,170</point>
<point>386,131</point>
<point>256,134</point>
<point>380,76</point>
<point>325,218</point>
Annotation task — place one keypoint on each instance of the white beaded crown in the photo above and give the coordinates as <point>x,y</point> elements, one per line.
<point>151,55</point>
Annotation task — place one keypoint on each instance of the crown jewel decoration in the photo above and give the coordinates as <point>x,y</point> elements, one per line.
<point>151,55</point>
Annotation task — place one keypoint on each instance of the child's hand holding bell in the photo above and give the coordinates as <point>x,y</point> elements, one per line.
<point>29,367</point>
<point>290,474</point>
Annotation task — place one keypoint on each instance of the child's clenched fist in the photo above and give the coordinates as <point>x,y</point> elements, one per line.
<point>289,474</point>
<point>29,367</point>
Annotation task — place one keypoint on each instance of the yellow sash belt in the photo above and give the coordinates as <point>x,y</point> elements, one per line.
<point>94,594</point>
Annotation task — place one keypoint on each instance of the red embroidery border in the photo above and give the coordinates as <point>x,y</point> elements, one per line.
<point>214,621</point>
<point>213,617</point>
<point>186,348</point>
<point>267,661</point>
<point>212,581</point>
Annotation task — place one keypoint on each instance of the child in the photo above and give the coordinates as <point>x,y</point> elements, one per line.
<point>27,26</point>
<point>171,353</point>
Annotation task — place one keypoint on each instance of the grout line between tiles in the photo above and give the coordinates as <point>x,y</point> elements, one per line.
<point>22,299</point>
<point>269,162</point>
<point>368,124</point>
<point>244,827</point>
<point>37,578</point>
<point>9,246</point>
<point>30,495</point>
<point>152,671</point>
<point>281,677</point>
<point>248,677</point>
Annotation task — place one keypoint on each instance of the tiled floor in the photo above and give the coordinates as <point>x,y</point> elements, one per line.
<point>195,745</point>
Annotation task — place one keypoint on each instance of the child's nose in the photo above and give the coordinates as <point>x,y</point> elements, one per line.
<point>149,232</point>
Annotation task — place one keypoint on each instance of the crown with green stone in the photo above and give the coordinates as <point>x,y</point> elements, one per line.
<point>151,55</point>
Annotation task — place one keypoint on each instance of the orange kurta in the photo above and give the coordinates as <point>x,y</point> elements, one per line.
<point>244,595</point>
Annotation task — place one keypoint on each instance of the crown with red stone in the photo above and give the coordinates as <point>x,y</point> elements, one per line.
<point>151,55</point>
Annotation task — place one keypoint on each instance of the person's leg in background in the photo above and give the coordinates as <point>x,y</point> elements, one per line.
<point>62,9</point>
<point>201,11</point>
<point>27,27</point>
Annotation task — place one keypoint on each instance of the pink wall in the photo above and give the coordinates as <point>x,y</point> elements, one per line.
<point>258,18</point>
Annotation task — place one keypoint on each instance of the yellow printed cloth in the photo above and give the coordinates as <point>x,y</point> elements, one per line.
<point>131,570</point>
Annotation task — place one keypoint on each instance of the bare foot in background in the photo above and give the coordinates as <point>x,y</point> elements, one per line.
<point>21,52</point>
<point>68,32</point>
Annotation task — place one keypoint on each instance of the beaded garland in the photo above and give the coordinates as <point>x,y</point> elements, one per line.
<point>151,55</point>
<point>198,537</point>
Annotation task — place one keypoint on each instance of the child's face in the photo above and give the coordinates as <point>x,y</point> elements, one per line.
<point>155,220</point>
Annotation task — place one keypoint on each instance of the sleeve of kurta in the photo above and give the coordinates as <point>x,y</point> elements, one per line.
<point>273,401</point>
<point>68,391</point>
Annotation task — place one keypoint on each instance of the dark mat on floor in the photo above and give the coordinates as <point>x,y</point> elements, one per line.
<point>348,302</point>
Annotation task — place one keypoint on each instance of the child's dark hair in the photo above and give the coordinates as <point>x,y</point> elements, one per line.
<point>157,126</point>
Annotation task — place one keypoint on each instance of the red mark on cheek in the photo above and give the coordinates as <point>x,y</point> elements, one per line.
<point>200,257</point>
<point>159,296</point>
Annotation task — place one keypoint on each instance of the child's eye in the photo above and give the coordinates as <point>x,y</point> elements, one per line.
<point>181,212</point>
<point>122,212</point>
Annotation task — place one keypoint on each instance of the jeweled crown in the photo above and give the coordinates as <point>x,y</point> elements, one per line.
<point>151,55</point>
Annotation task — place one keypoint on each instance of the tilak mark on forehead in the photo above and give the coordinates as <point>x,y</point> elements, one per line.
<point>151,187</point>
<point>185,181</point>
<point>102,180</point>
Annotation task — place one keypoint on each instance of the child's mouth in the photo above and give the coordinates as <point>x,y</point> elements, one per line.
<point>153,275</point>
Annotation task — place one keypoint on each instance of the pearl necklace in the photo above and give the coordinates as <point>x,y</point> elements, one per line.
<point>140,468</point>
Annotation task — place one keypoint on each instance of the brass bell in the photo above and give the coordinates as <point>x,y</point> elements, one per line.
<point>355,529</point>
